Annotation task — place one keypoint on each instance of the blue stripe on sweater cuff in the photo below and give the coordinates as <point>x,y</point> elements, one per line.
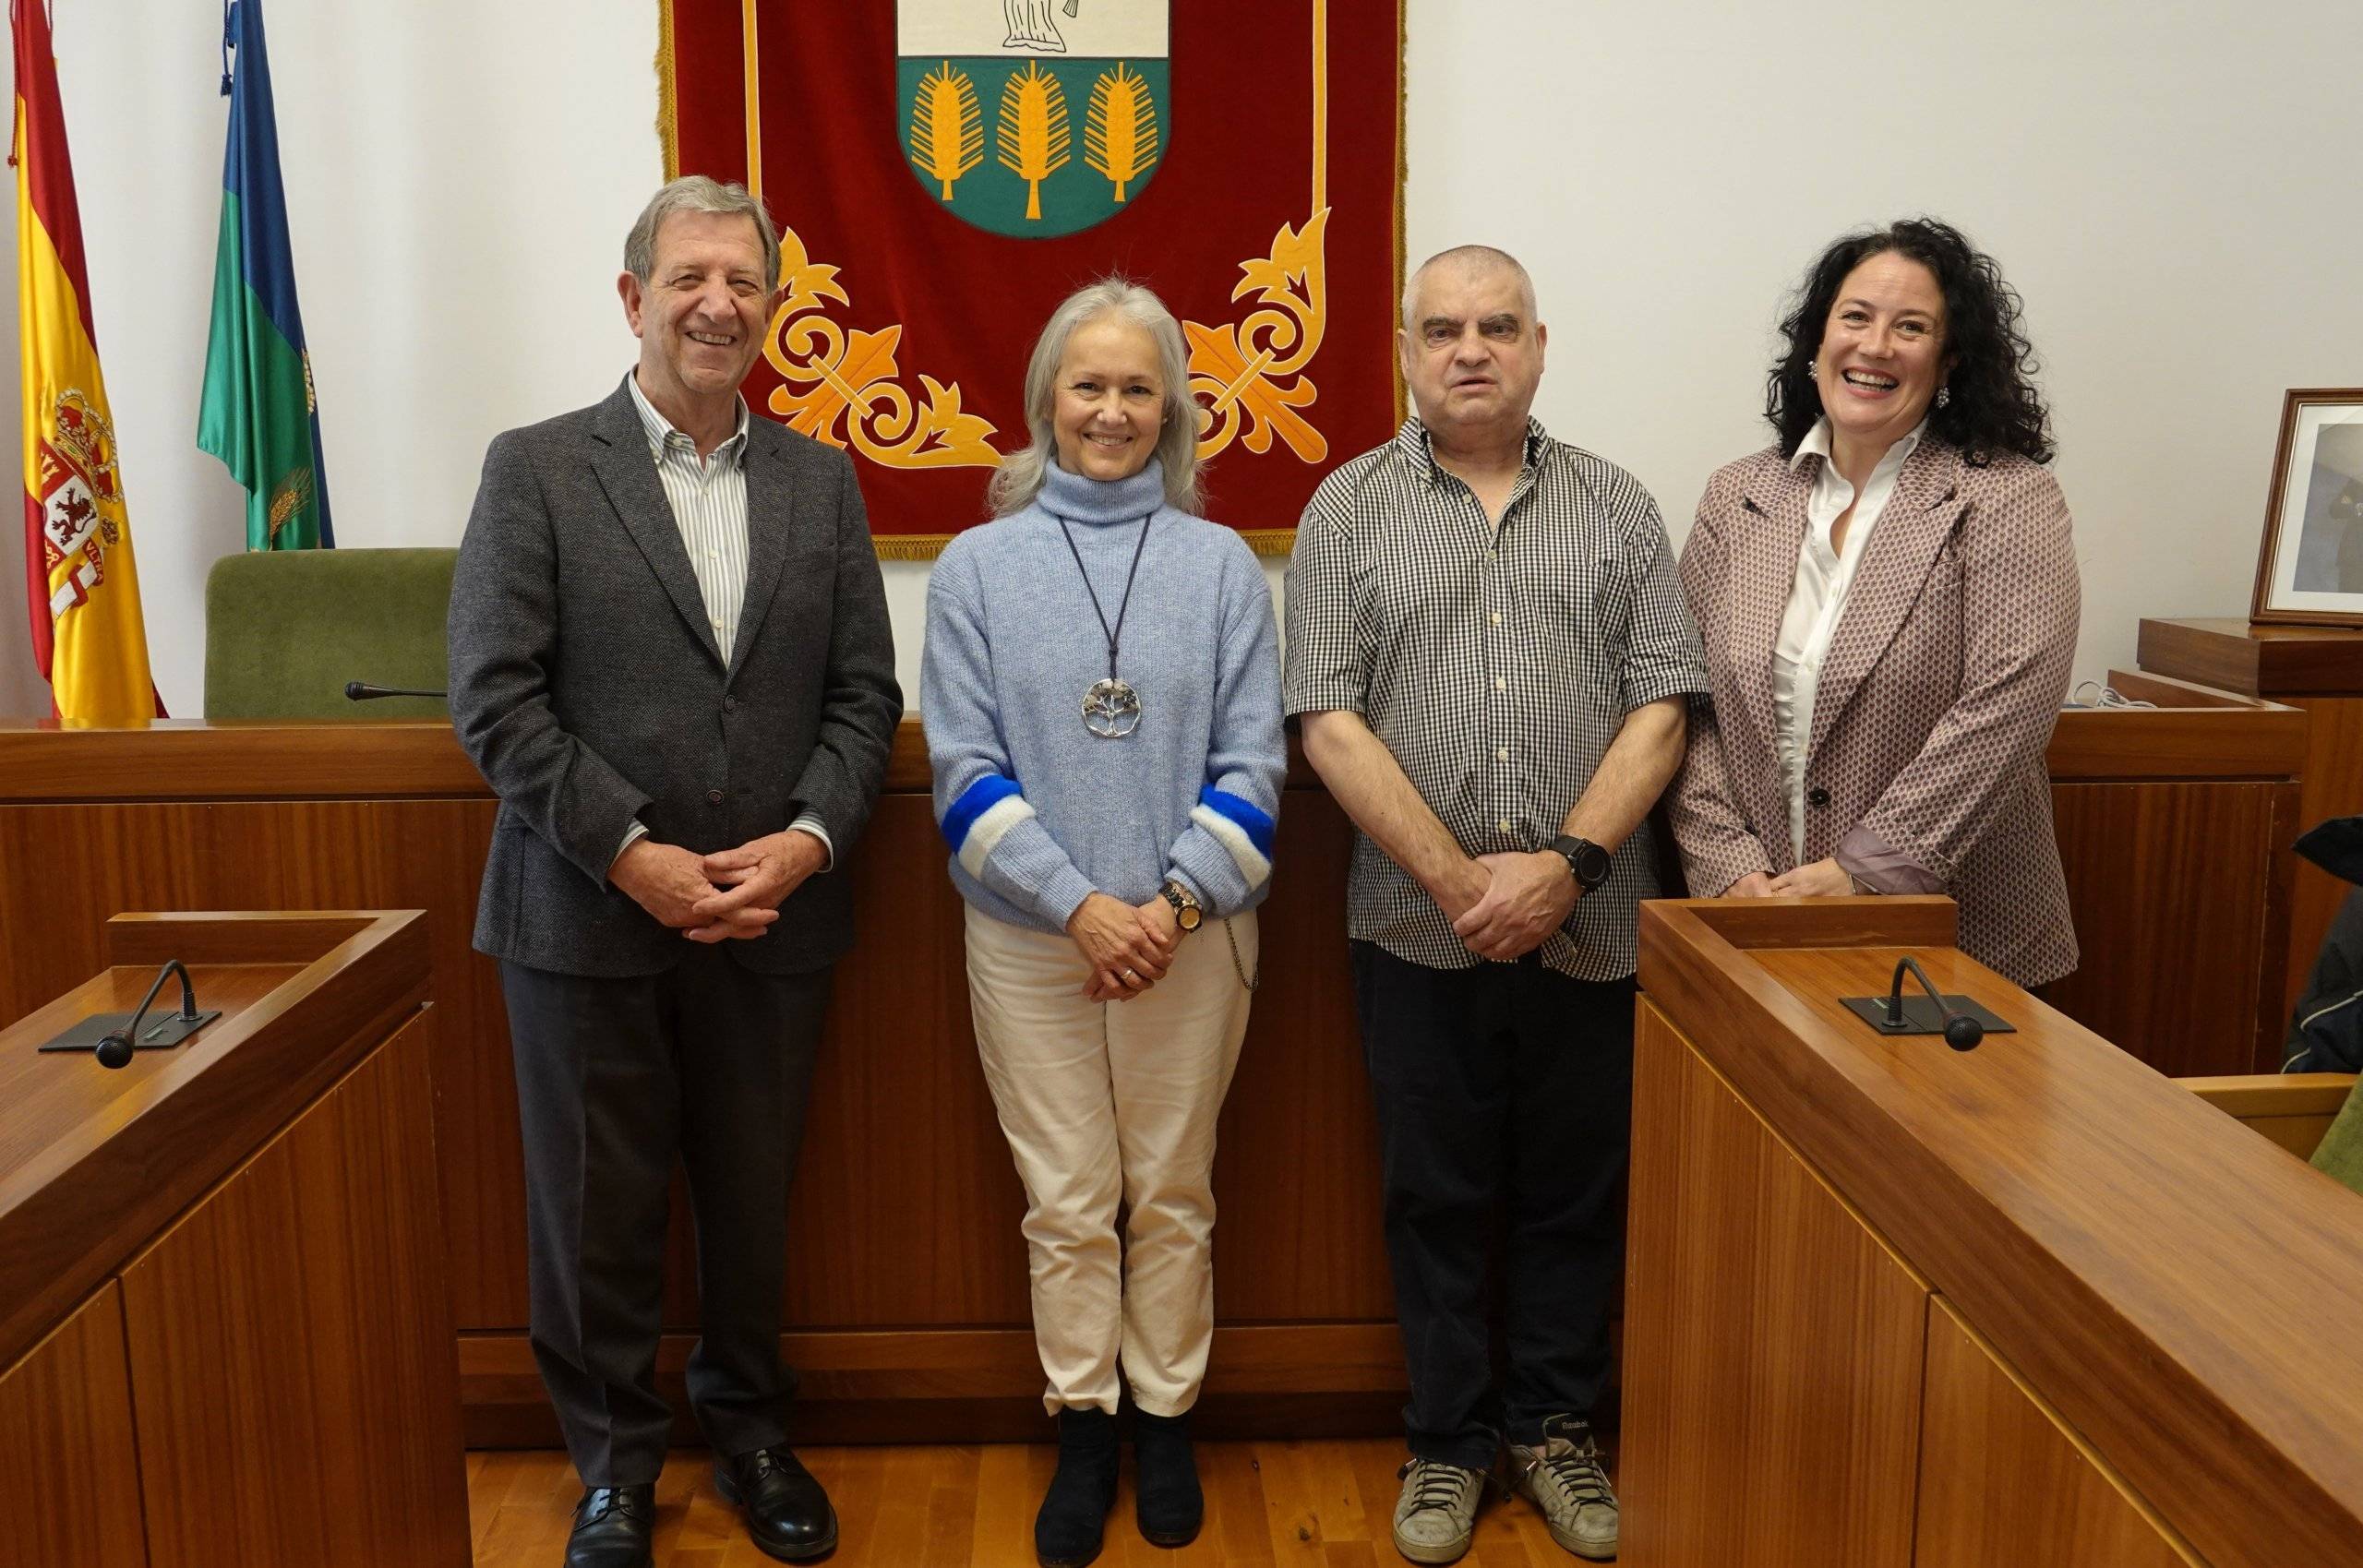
<point>974,802</point>
<point>1253,822</point>
<point>1242,831</point>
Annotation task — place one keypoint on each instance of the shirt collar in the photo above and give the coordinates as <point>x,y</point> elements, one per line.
<point>1816,444</point>
<point>1414,442</point>
<point>660,430</point>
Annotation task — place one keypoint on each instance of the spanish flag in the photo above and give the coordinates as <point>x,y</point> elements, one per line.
<point>80,585</point>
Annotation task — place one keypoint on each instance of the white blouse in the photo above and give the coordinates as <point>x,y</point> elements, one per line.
<point>1817,601</point>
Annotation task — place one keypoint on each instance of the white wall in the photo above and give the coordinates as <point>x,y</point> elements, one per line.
<point>2171,187</point>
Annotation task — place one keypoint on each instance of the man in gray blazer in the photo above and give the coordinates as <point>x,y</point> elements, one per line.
<point>670,658</point>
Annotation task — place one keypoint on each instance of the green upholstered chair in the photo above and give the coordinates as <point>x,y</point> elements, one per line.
<point>285,630</point>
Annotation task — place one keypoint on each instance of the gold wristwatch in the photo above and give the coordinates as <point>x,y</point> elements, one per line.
<point>1186,913</point>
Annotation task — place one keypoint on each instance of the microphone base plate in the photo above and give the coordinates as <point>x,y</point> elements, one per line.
<point>1922,1015</point>
<point>161,1032</point>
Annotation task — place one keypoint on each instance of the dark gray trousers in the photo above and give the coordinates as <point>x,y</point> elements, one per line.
<point>1505,1091</point>
<point>709,1063</point>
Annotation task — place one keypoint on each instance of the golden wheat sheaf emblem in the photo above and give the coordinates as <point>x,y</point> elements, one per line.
<point>947,129</point>
<point>1119,132</point>
<point>1032,131</point>
<point>1048,73</point>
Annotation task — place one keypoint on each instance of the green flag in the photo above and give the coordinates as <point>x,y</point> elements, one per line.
<point>259,416</point>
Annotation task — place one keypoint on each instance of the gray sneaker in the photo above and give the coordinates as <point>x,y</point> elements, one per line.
<point>1565,1479</point>
<point>1435,1517</point>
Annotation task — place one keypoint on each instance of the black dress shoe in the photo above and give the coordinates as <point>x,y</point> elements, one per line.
<point>614,1527</point>
<point>1169,1502</point>
<point>1074,1517</point>
<point>787,1512</point>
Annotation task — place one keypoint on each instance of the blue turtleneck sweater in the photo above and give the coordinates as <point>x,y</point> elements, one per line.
<point>1040,812</point>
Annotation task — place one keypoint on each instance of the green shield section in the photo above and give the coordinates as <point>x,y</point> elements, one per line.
<point>1032,147</point>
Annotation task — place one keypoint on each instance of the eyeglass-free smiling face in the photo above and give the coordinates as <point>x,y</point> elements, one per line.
<point>1110,400</point>
<point>1882,354</point>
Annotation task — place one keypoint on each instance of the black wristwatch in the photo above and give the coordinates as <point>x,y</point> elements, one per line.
<point>1584,858</point>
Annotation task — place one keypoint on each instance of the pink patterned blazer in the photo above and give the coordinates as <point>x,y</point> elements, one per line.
<point>1925,771</point>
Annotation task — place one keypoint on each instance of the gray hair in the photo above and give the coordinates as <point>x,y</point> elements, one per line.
<point>1019,478</point>
<point>695,193</point>
<point>1484,257</point>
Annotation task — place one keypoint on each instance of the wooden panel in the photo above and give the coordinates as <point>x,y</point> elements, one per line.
<point>65,870</point>
<point>2278,662</point>
<point>2194,732</point>
<point>186,759</point>
<point>2176,980</point>
<point>66,1445</point>
<point>975,1385</point>
<point>114,1155</point>
<point>1773,1344</point>
<point>1828,922</point>
<point>2046,1182</point>
<point>2294,1111</point>
<point>291,1344</point>
<point>2333,787</point>
<point>2003,1479</point>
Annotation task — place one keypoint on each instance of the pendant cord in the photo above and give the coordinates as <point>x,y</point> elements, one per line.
<point>1110,634</point>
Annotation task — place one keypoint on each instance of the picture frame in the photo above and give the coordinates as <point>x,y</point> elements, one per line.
<point>2309,565</point>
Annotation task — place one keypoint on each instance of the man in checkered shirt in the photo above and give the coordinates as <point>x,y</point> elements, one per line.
<point>1490,659</point>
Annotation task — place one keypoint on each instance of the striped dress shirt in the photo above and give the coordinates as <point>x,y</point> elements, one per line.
<point>708,498</point>
<point>1495,660</point>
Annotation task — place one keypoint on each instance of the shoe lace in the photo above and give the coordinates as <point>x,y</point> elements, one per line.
<point>605,1501</point>
<point>1576,1467</point>
<point>1435,1484</point>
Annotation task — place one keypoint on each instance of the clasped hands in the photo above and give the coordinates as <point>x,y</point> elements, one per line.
<point>1822,878</point>
<point>713,898</point>
<point>1502,905</point>
<point>1128,946</point>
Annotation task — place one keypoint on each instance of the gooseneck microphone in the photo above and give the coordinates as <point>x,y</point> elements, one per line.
<point>114,1046</point>
<point>1961,1031</point>
<point>361,691</point>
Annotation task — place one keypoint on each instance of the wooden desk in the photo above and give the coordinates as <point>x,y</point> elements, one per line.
<point>2320,670</point>
<point>907,1299</point>
<point>1891,1304</point>
<point>223,1319</point>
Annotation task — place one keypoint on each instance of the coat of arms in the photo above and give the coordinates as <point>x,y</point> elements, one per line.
<point>1033,118</point>
<point>81,504</point>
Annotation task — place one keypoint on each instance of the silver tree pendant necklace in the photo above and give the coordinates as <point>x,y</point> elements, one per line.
<point>1112,709</point>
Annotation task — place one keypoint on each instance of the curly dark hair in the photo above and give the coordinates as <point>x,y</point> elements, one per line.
<point>1992,409</point>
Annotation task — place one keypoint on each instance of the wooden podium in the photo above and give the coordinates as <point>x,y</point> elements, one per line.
<point>223,1320</point>
<point>2320,670</point>
<point>1890,1304</point>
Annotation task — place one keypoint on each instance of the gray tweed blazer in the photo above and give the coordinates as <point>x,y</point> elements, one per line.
<point>586,686</point>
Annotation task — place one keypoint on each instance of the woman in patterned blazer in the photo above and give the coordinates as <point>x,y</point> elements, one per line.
<point>1889,599</point>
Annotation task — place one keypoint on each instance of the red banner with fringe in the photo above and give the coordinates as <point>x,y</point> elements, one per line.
<point>945,172</point>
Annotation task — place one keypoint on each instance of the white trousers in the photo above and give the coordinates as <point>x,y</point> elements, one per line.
<point>1108,1103</point>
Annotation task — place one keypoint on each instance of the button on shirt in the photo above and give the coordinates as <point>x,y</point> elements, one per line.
<point>1496,663</point>
<point>1817,601</point>
<point>708,498</point>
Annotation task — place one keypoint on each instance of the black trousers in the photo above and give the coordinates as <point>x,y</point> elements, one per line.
<point>709,1063</point>
<point>1505,1091</point>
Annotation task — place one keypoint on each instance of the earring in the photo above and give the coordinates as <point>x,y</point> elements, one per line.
<point>1944,396</point>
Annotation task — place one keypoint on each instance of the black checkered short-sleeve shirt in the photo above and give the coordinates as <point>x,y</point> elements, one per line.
<point>1496,664</point>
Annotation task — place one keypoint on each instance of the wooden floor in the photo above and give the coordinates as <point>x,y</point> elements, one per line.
<point>1320,1504</point>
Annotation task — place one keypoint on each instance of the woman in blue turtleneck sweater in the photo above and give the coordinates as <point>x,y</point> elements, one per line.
<point>1101,692</point>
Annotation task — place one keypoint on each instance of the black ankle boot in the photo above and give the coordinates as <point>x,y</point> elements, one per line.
<point>1170,1505</point>
<point>1074,1511</point>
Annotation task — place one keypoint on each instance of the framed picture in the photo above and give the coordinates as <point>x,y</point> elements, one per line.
<point>2310,572</point>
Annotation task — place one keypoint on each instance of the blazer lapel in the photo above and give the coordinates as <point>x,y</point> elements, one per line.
<point>628,477</point>
<point>1773,506</point>
<point>770,520</point>
<point>1895,564</point>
